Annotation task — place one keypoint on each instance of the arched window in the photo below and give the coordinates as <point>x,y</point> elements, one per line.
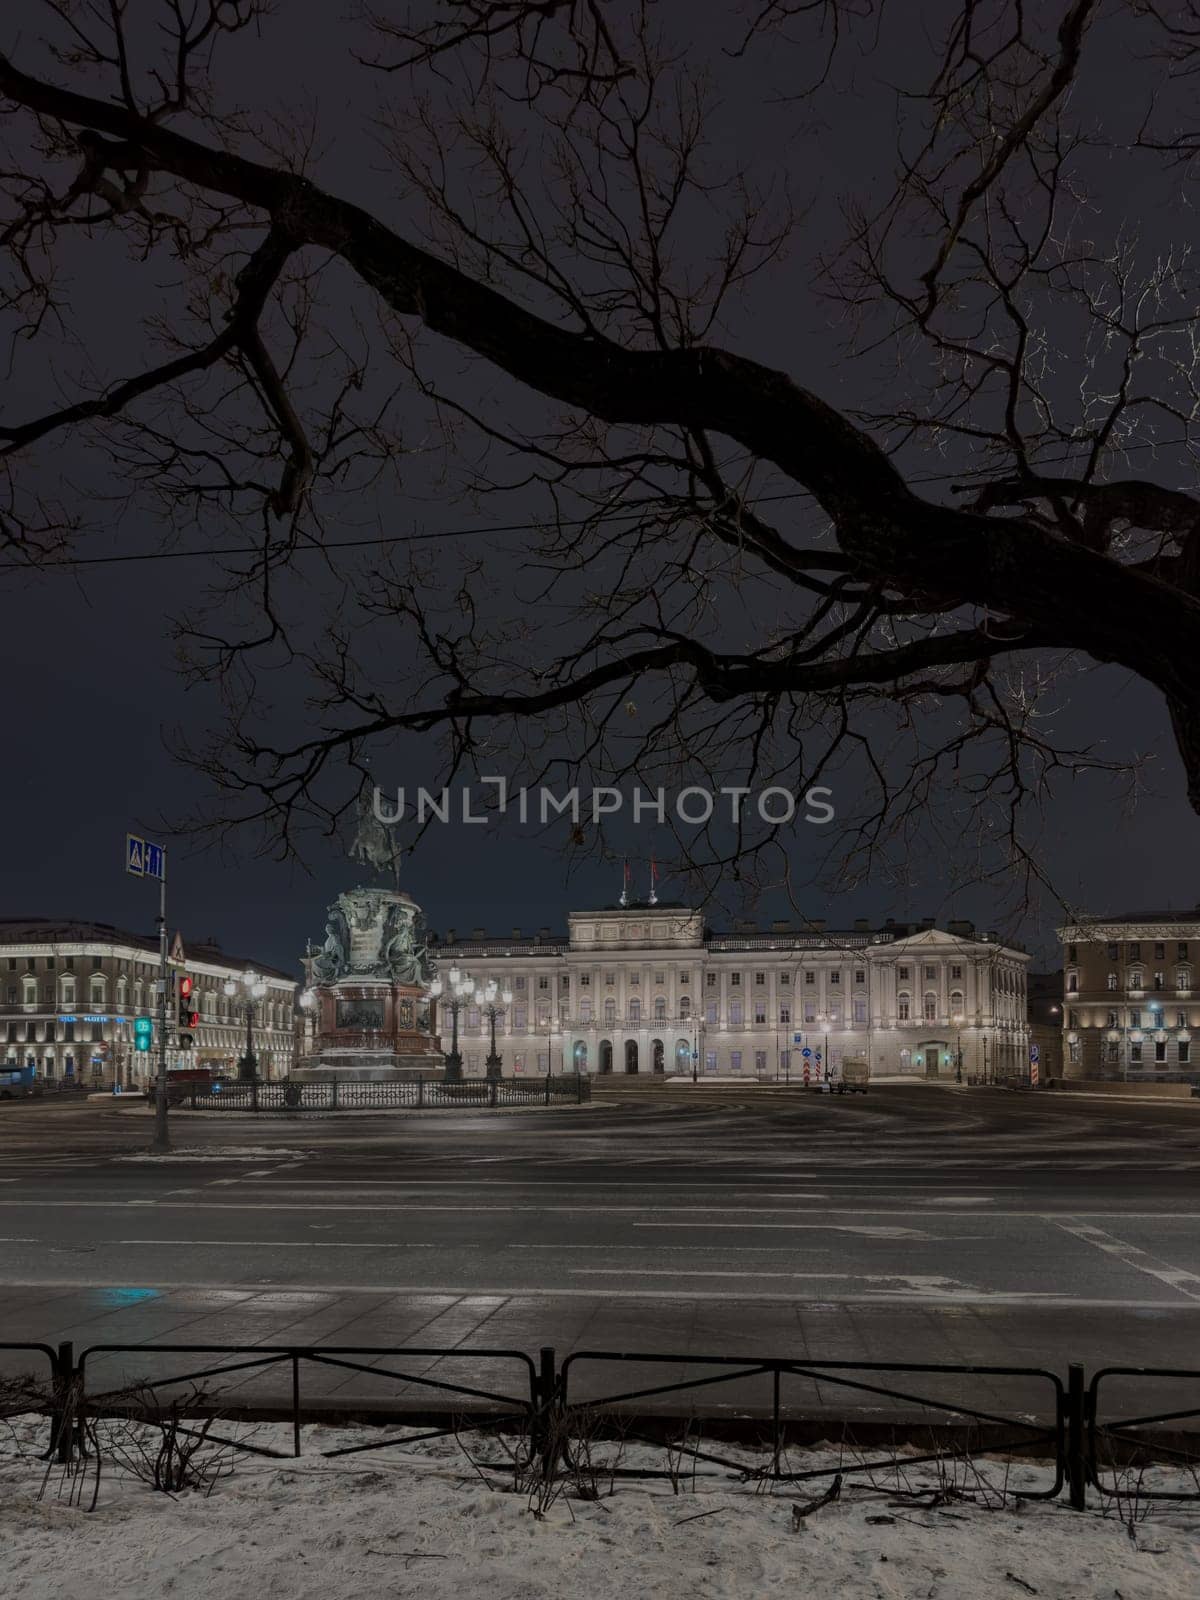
<point>660,1009</point>
<point>930,1006</point>
<point>1183,977</point>
<point>1112,980</point>
<point>1072,983</point>
<point>610,1010</point>
<point>685,1005</point>
<point>956,1002</point>
<point>903,1005</point>
<point>635,1010</point>
<point>1137,978</point>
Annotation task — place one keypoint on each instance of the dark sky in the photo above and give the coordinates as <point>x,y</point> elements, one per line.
<point>92,695</point>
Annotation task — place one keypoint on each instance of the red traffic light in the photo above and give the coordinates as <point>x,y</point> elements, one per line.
<point>185,988</point>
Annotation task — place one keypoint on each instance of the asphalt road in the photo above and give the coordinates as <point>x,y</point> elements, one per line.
<point>918,1224</point>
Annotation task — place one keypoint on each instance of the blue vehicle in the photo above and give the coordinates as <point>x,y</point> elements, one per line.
<point>17,1082</point>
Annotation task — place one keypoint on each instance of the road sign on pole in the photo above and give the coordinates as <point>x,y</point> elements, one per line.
<point>135,855</point>
<point>147,860</point>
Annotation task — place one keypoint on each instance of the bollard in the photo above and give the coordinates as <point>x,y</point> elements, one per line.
<point>1076,1462</point>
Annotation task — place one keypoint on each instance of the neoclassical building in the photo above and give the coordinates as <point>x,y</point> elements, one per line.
<point>70,991</point>
<point>1130,1006</point>
<point>648,988</point>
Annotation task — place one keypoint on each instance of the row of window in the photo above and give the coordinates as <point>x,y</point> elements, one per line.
<point>520,983</point>
<point>1113,1019</point>
<point>1136,979</point>
<point>1133,950</point>
<point>1112,1052</point>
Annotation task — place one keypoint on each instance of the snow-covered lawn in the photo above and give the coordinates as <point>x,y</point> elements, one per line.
<point>420,1520</point>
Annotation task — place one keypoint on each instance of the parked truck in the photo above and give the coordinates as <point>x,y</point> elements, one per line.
<point>850,1076</point>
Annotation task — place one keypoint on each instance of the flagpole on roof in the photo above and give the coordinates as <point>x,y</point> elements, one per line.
<point>653,882</point>
<point>624,900</point>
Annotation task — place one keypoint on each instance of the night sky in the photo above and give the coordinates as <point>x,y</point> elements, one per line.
<point>93,700</point>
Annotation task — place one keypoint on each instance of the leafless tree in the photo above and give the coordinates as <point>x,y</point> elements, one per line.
<point>563,291</point>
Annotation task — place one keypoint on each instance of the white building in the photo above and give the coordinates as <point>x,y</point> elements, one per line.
<point>647,988</point>
<point>71,991</point>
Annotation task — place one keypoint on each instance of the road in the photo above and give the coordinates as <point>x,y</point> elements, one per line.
<point>917,1224</point>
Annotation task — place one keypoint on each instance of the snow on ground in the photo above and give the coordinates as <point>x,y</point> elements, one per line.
<point>420,1520</point>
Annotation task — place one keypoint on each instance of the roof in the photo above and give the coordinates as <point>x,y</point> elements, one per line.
<point>1180,914</point>
<point>75,930</point>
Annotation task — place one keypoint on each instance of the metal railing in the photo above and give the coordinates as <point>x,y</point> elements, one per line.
<point>348,1094</point>
<point>952,1410</point>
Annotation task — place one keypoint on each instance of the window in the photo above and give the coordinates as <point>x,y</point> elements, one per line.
<point>1181,1020</point>
<point>660,1009</point>
<point>903,1003</point>
<point>1110,1050</point>
<point>835,1014</point>
<point>660,978</point>
<point>29,991</point>
<point>1112,980</point>
<point>1134,950</point>
<point>1113,952</point>
<point>610,978</point>
<point>1072,954</point>
<point>585,1009</point>
<point>735,1013</point>
<point>635,1010</point>
<point>585,980</point>
<point>1160,981</point>
<point>473,1017</point>
<point>1137,979</point>
<point>12,963</point>
<point>685,1005</point>
<point>565,981</point>
<point>810,1013</point>
<point>930,974</point>
<point>635,979</point>
<point>835,977</point>
<point>956,972</point>
<point>785,1014</point>
<point>518,983</point>
<point>760,1011</point>
<point>785,1059</point>
<point>97,961</point>
<point>1073,1052</point>
<point>759,979</point>
<point>930,1007</point>
<point>956,1002</point>
<point>12,994</point>
<point>735,979</point>
<point>610,1011</point>
<point>1135,1052</point>
<point>860,975</point>
<point>1112,1020</point>
<point>1072,983</point>
<point>760,1061</point>
<point>1183,977</point>
<point>1184,1051</point>
<point>543,983</point>
<point>810,977</point>
<point>860,1013</point>
<point>1181,950</point>
<point>520,1017</point>
<point>1160,950</point>
<point>49,963</point>
<point>96,992</point>
<point>710,1011</point>
<point>1135,1019</point>
<point>785,979</point>
<point>1160,1050</point>
<point>903,974</point>
<point>710,980</point>
<point>685,977</point>
<point>710,1061</point>
<point>735,1061</point>
<point>1072,1019</point>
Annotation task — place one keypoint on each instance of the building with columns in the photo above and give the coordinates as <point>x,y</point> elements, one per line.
<point>70,991</point>
<point>1130,1005</point>
<point>648,988</point>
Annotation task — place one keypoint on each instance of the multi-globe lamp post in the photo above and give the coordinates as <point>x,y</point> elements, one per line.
<point>252,988</point>
<point>493,1003</point>
<point>461,992</point>
<point>958,1022</point>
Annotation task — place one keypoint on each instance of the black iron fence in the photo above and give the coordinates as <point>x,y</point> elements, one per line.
<point>348,1094</point>
<point>1103,1434</point>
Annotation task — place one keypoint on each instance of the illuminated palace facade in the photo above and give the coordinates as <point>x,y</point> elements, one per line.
<point>648,988</point>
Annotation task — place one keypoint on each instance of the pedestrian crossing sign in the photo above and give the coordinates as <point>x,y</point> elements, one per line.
<point>135,855</point>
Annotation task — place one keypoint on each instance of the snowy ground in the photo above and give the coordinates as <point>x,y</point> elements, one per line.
<point>420,1520</point>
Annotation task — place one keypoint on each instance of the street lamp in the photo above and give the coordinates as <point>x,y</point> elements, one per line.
<point>493,1004</point>
<point>252,989</point>
<point>551,1030</point>
<point>823,1020</point>
<point>459,994</point>
<point>958,1022</point>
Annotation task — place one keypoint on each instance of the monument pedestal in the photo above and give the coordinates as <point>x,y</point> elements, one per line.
<point>371,1031</point>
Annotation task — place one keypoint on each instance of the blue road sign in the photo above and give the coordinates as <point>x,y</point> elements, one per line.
<point>155,857</point>
<point>1035,1053</point>
<point>135,855</point>
<point>797,1038</point>
<point>806,1052</point>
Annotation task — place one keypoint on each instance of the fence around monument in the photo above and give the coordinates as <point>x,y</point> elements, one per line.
<point>348,1094</point>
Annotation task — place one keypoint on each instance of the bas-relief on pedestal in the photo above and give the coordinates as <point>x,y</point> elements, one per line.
<point>370,976</point>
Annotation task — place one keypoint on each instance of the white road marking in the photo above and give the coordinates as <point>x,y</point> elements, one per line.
<point>279,1244</point>
<point>868,1231</point>
<point>1130,1255</point>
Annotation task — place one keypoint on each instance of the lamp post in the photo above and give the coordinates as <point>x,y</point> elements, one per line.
<point>459,994</point>
<point>958,1022</point>
<point>823,1022</point>
<point>493,1004</point>
<point>252,989</point>
<point>551,1030</point>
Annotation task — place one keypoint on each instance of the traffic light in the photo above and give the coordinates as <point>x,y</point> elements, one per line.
<point>188,1018</point>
